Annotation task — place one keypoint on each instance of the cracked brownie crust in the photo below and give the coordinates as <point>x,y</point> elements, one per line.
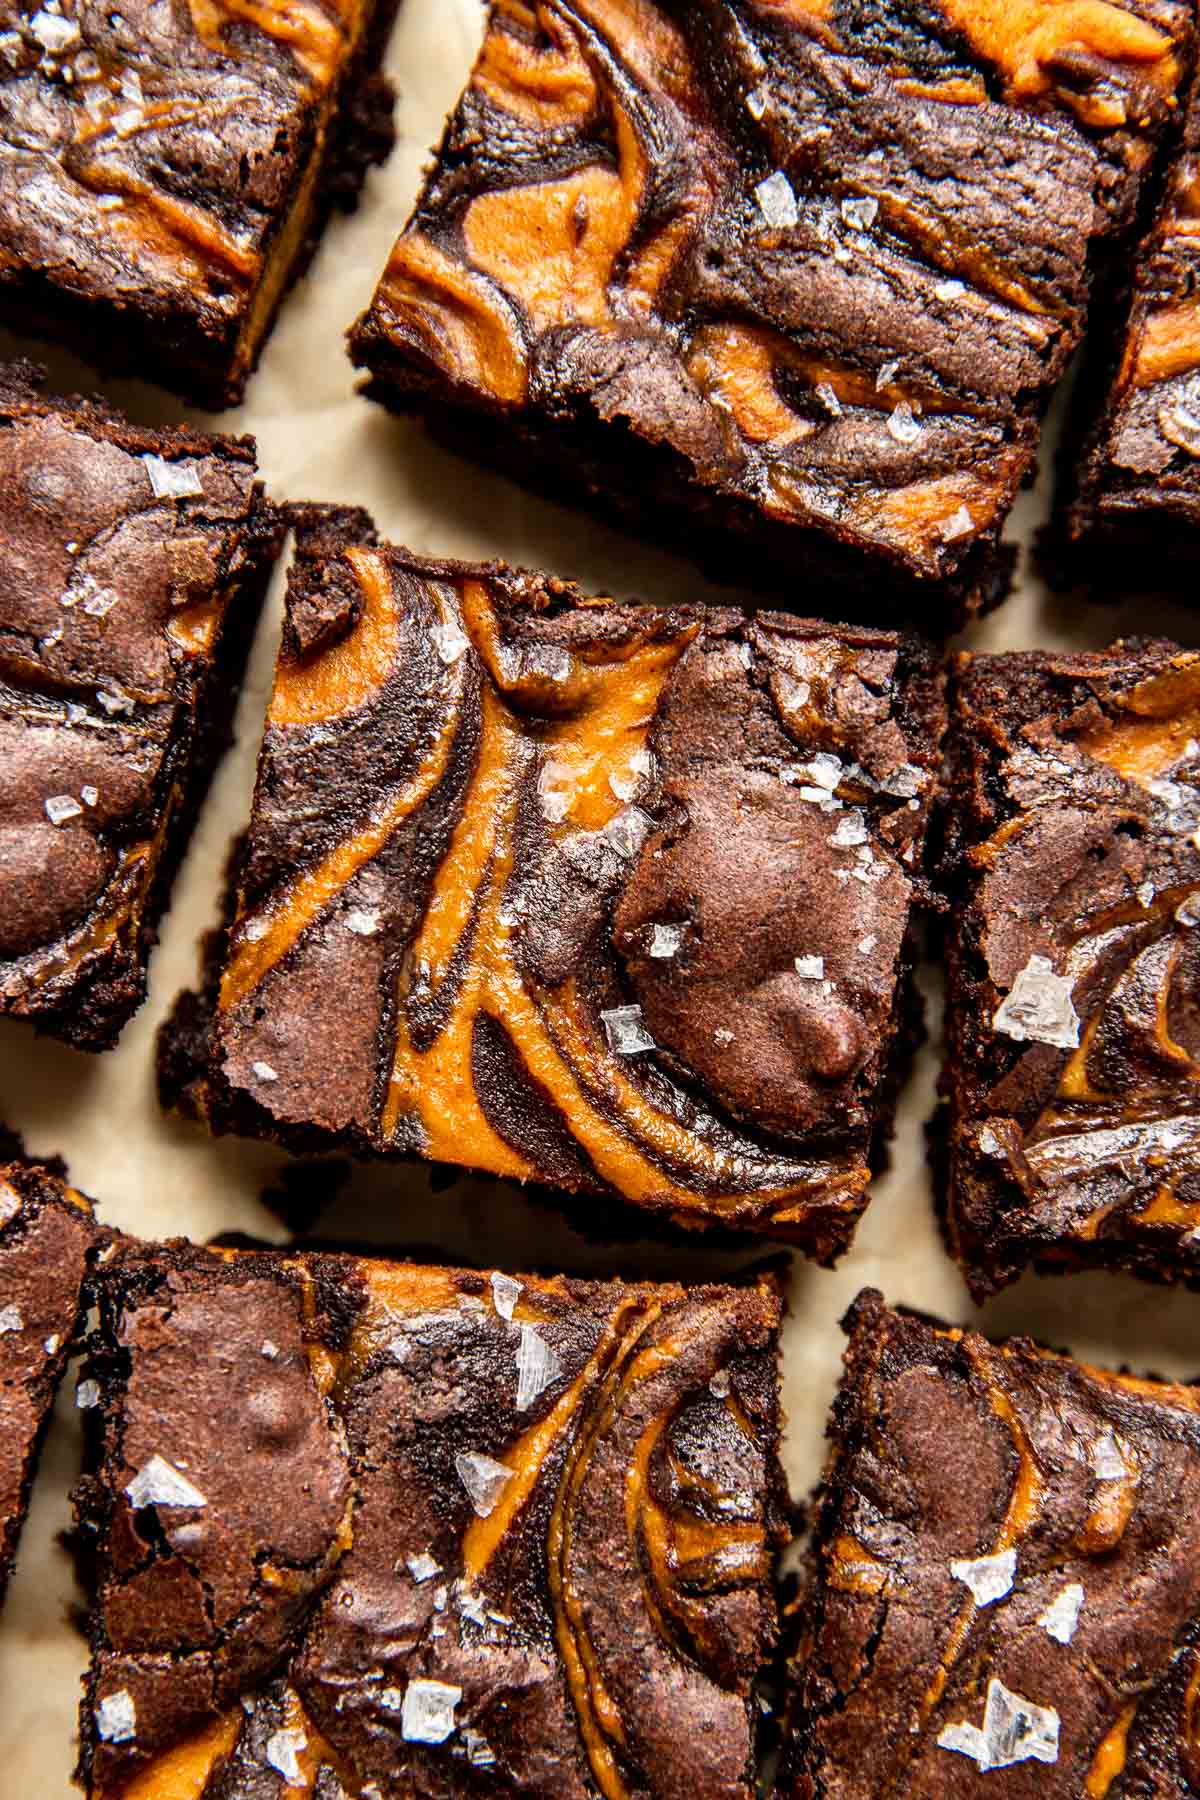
<point>132,567</point>
<point>1136,479</point>
<point>165,170</point>
<point>1005,1578</point>
<point>46,1237</point>
<point>611,897</point>
<point>806,273</point>
<point>1073,875</point>
<point>413,1530</point>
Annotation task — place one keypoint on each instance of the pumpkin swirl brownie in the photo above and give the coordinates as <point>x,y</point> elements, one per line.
<point>1073,875</point>
<point>803,274</point>
<point>1004,1594</point>
<point>132,568</point>
<point>1131,502</point>
<point>165,170</point>
<point>369,1529</point>
<point>47,1239</point>
<point>612,897</point>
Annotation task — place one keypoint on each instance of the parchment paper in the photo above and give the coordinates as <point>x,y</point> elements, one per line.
<point>318,440</point>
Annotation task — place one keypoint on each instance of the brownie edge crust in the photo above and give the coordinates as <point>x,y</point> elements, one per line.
<point>791,284</point>
<point>371,1529</point>
<point>1072,877</point>
<point>1004,1581</point>
<point>613,898</point>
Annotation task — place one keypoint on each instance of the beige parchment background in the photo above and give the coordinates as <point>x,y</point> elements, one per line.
<point>318,440</point>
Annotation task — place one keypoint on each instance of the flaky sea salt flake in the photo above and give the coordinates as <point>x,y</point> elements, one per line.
<point>1038,1008</point>
<point>484,1479</point>
<point>116,1717</point>
<point>87,1395</point>
<point>1061,1617</point>
<point>777,202</point>
<point>902,423</point>
<point>851,829</point>
<point>54,34</point>
<point>423,1567</point>
<point>262,1071</point>
<point>506,1291</point>
<point>827,394</point>
<point>861,213</point>
<point>626,1034</point>
<point>810,968</point>
<point>361,922</point>
<point>537,1367</point>
<point>10,1320</point>
<point>666,941</point>
<point>159,1483</point>
<point>428,1715</point>
<point>989,1578</point>
<point>62,807</point>
<point>450,641</point>
<point>172,481</point>
<point>949,290</point>
<point>1015,1730</point>
<point>283,1753</point>
<point>960,524</point>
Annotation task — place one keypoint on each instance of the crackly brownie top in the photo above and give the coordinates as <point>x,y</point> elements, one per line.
<point>1148,447</point>
<point>118,549</point>
<point>1007,1577</point>
<point>416,1530</point>
<point>830,253</point>
<point>1079,782</point>
<point>148,150</point>
<point>46,1231</point>
<point>583,891</point>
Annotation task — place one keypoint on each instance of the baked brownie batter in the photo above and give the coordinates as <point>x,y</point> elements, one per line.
<point>1005,1578</point>
<point>1134,516</point>
<point>1073,875</point>
<point>165,170</point>
<point>612,897</point>
<point>132,565</point>
<point>368,1530</point>
<point>46,1235</point>
<point>806,272</point>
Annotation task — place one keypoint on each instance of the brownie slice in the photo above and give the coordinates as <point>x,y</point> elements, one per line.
<point>1005,1577</point>
<point>792,283</point>
<point>1073,875</point>
<point>426,1532</point>
<point>612,897</point>
<point>165,171</point>
<point>1131,495</point>
<point>46,1239</point>
<point>132,567</point>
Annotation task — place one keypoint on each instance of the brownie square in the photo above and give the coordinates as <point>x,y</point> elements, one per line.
<point>1005,1577</point>
<point>1130,501</point>
<point>612,897</point>
<point>46,1239</point>
<point>1072,872</point>
<point>793,283</point>
<point>165,171</point>
<point>132,566</point>
<point>426,1532</point>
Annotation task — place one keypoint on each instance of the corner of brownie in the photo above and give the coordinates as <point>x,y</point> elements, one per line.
<point>132,567</point>
<point>614,898</point>
<point>373,1528</point>
<point>1004,1589</point>
<point>1072,872</point>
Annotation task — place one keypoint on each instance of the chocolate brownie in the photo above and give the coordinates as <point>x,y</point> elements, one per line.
<point>1131,497</point>
<point>165,171</point>
<point>1073,875</point>
<point>801,273</point>
<point>612,897</point>
<point>46,1238</point>
<point>426,1532</point>
<point>1005,1578</point>
<point>132,565</point>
